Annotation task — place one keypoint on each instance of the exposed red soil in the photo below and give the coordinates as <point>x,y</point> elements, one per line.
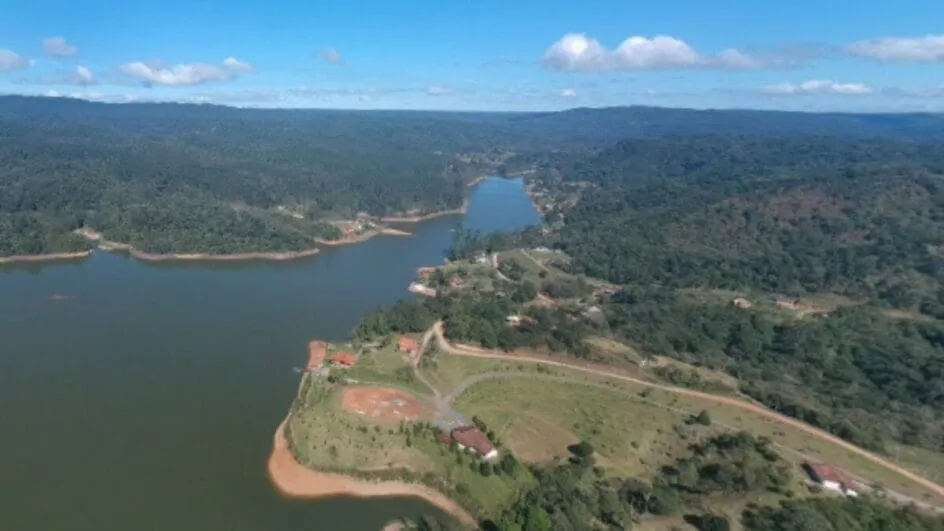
<point>316,353</point>
<point>383,403</point>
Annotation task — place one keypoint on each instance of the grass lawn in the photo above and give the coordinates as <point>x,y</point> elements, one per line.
<point>538,418</point>
<point>325,437</point>
<point>386,366</point>
<point>612,420</point>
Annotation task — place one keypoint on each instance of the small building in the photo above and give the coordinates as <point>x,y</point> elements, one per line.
<point>456,282</point>
<point>344,359</point>
<point>831,478</point>
<point>473,440</point>
<point>408,345</point>
<point>742,303</point>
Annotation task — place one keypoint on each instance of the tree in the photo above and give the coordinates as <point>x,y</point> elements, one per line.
<point>703,418</point>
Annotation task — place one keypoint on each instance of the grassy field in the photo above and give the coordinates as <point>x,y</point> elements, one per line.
<point>538,419</point>
<point>386,366</point>
<point>325,437</point>
<point>624,412</point>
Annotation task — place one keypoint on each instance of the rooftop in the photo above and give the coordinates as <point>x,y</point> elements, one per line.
<point>344,358</point>
<point>473,438</point>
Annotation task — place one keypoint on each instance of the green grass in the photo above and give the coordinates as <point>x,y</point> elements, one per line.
<point>325,437</point>
<point>557,404</point>
<point>386,366</point>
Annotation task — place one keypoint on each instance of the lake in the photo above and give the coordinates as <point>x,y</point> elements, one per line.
<point>147,398</point>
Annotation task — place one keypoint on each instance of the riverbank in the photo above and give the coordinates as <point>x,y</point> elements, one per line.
<point>406,217</point>
<point>365,236</point>
<point>50,257</point>
<point>110,246</point>
<point>292,479</point>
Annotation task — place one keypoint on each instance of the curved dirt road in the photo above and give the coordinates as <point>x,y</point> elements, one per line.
<point>462,350</point>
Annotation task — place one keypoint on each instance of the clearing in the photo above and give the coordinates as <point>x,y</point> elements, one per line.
<point>800,441</point>
<point>384,403</point>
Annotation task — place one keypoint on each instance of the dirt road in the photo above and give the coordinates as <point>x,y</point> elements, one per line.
<point>462,350</point>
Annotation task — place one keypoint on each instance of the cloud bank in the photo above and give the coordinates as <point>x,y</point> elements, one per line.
<point>580,53</point>
<point>818,86</point>
<point>155,73</point>
<point>926,49</point>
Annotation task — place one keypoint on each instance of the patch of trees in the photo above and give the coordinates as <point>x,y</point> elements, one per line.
<point>730,464</point>
<point>482,319</point>
<point>575,495</point>
<point>838,514</point>
<point>855,373</point>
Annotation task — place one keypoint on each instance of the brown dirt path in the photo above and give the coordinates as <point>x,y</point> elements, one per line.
<point>464,350</point>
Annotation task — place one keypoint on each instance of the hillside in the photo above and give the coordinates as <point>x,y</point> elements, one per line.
<point>172,178</point>
<point>685,225</point>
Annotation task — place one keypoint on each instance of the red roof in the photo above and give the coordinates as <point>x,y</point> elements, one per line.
<point>828,473</point>
<point>344,358</point>
<point>407,343</point>
<point>473,438</point>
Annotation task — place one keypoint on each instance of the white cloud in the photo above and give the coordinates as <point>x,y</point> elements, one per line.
<point>332,56</point>
<point>10,60</point>
<point>82,75</point>
<point>241,96</point>
<point>578,52</point>
<point>236,65</point>
<point>818,86</point>
<point>439,90</point>
<point>926,49</point>
<point>156,73</point>
<point>58,47</point>
<point>567,93</point>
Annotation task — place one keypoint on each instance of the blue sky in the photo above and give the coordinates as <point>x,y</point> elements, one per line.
<point>481,54</point>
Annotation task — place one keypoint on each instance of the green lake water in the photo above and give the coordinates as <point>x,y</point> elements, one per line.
<point>147,399</point>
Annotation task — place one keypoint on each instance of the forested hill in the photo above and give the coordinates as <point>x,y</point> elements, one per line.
<point>853,228</point>
<point>203,178</point>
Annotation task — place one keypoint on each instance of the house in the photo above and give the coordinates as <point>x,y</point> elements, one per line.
<point>472,439</point>
<point>742,303</point>
<point>408,345</point>
<point>513,320</point>
<point>344,359</point>
<point>456,282</point>
<point>830,478</point>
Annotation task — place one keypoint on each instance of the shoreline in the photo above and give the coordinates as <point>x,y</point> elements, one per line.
<point>50,257</point>
<point>416,219</point>
<point>110,246</point>
<point>364,237</point>
<point>294,480</point>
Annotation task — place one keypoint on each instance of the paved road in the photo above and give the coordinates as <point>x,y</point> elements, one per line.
<point>463,350</point>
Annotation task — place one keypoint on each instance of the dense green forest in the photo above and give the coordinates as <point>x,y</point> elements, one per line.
<point>675,221</point>
<point>203,178</point>
<point>174,178</point>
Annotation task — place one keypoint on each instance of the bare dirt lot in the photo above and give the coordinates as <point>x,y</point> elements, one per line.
<point>384,403</point>
<point>316,353</point>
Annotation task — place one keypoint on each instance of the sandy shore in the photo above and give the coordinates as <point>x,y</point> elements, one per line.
<point>366,236</point>
<point>108,245</point>
<point>295,480</point>
<point>150,257</point>
<point>51,257</point>
<point>406,218</point>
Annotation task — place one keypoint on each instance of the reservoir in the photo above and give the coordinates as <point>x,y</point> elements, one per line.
<point>146,396</point>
